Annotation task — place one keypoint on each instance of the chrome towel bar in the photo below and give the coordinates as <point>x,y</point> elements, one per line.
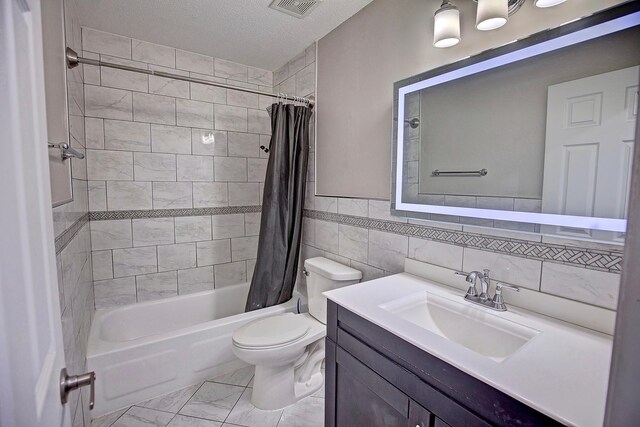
<point>481,172</point>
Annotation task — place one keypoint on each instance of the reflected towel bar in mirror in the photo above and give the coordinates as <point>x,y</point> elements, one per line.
<point>481,172</point>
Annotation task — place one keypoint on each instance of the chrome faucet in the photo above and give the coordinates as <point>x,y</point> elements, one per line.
<point>484,298</point>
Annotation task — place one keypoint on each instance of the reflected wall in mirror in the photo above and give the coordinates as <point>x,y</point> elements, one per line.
<point>534,136</point>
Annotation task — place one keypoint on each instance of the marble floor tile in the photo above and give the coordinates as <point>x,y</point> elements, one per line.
<point>244,413</point>
<point>107,420</point>
<point>241,377</point>
<point>143,417</point>
<point>308,412</point>
<point>213,401</point>
<point>171,402</point>
<point>184,421</point>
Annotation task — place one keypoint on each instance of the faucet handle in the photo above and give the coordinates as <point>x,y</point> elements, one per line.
<point>498,301</point>
<point>471,278</point>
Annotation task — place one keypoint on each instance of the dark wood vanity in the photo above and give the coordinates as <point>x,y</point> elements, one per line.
<point>374,378</point>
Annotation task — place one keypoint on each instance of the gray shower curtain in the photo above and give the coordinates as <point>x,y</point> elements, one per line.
<point>282,203</point>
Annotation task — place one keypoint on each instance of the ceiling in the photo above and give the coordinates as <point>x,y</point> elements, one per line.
<point>244,31</point>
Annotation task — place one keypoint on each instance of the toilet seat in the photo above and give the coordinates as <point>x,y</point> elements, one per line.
<point>272,332</point>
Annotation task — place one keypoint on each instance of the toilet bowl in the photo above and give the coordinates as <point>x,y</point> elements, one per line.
<point>288,349</point>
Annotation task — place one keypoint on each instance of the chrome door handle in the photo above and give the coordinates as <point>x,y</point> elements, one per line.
<point>68,383</point>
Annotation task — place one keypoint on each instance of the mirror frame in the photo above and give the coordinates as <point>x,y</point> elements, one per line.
<point>597,25</point>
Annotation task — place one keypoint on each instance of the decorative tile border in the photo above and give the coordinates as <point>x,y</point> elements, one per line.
<point>161,213</point>
<point>602,260</point>
<point>67,236</point>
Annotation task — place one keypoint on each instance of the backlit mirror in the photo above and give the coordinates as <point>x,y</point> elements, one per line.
<point>534,136</point>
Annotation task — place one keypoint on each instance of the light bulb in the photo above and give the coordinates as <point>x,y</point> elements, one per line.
<point>491,14</point>
<point>446,27</point>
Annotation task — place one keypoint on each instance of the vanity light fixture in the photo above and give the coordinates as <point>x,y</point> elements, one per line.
<point>491,14</point>
<point>446,28</point>
<point>548,3</point>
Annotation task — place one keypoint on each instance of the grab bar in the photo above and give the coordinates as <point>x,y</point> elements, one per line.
<point>66,152</point>
<point>481,172</point>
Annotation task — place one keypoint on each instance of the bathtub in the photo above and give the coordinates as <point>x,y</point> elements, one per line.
<point>144,350</point>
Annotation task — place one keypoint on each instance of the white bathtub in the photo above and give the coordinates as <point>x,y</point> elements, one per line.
<point>144,350</point>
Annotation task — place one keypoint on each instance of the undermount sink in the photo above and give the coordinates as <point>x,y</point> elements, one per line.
<point>460,322</point>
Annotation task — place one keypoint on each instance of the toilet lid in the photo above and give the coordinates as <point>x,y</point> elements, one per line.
<point>272,331</point>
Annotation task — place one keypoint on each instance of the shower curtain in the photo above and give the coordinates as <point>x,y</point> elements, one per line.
<point>282,203</point>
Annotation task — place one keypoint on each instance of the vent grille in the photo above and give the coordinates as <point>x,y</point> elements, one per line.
<point>297,8</point>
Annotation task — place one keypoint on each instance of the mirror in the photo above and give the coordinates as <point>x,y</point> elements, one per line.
<point>534,136</point>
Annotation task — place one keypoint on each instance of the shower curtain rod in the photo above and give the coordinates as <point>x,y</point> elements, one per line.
<point>73,60</point>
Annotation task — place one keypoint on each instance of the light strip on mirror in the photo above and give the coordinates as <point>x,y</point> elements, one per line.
<point>610,224</point>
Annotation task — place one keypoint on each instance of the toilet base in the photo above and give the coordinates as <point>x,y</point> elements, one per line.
<point>275,387</point>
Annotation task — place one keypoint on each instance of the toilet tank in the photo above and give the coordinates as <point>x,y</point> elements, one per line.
<point>324,275</point>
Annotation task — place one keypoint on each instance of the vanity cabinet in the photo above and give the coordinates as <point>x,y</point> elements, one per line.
<point>374,378</point>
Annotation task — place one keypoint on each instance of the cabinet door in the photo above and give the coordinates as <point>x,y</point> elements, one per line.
<point>419,416</point>
<point>363,398</point>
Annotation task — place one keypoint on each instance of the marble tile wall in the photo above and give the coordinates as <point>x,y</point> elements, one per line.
<point>72,231</point>
<point>378,253</point>
<point>156,143</point>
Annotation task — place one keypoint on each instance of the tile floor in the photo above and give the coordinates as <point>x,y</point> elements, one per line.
<point>221,401</point>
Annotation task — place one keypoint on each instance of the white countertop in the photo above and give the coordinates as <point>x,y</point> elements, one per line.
<point>563,372</point>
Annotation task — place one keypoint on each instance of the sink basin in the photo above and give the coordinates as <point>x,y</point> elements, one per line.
<point>467,325</point>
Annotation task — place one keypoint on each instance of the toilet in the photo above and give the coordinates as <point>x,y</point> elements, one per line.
<point>288,349</point>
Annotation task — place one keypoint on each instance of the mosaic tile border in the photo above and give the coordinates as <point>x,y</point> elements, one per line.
<point>162,213</point>
<point>593,259</point>
<point>67,236</point>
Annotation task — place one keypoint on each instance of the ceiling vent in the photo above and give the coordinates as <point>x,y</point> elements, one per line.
<point>297,8</point>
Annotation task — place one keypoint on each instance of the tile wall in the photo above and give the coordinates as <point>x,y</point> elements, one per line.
<point>73,241</point>
<point>365,235</point>
<point>150,150</point>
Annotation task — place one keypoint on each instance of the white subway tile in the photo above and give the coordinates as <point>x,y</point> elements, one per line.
<point>242,99</point>
<point>107,103</point>
<point>109,165</point>
<point>126,136</point>
<point>170,139</point>
<point>244,194</point>
<point>327,236</point>
<point>368,272</point>
<point>175,257</point>
<point>230,118</point>
<point>157,286</point>
<point>387,251</point>
<point>230,70</point>
<point>590,286</point>
<point>201,142</point>
<point>172,195</point>
<point>252,223</point>
<point>243,144</point>
<point>244,248</point>
<point>154,167</point>
<point>193,229</point>
<point>310,53</point>
<point>259,76</point>
<point>256,170</point>
<point>438,253</point>
<point>232,169</point>
<point>355,207</point>
<point>107,43</point>
<point>115,292</point>
<point>195,168</point>
<point>97,195</point>
<point>518,271</point>
<point>122,79</point>
<point>154,109</point>
<point>102,265</point>
<point>126,195</point>
<point>168,87</point>
<point>129,262</point>
<point>227,226</point>
<point>195,62</point>
<point>258,122</point>
<point>194,113</point>
<point>353,242</point>
<point>94,133</point>
<point>153,53</point>
<point>111,234</point>
<point>297,63</point>
<point>152,231</point>
<point>210,194</point>
<point>306,81</point>
<point>230,274</point>
<point>214,252</point>
<point>195,280</point>
<point>281,74</point>
<point>202,92</point>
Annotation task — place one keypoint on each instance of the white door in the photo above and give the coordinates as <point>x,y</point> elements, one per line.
<point>31,350</point>
<point>588,151</point>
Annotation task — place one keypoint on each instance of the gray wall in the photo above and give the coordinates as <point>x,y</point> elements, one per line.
<point>385,42</point>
